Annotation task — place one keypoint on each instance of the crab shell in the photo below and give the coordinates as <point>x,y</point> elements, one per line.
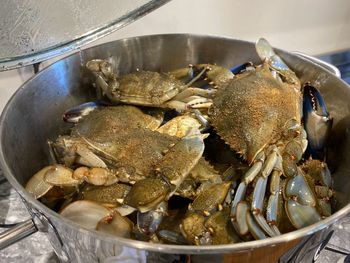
<point>123,136</point>
<point>145,88</point>
<point>106,122</point>
<point>252,110</point>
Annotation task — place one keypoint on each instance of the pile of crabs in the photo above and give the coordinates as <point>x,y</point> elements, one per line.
<point>201,155</point>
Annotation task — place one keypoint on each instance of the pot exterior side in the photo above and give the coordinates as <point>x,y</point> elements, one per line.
<point>71,245</point>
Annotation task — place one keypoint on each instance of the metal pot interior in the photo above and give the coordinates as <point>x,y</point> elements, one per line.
<point>34,114</point>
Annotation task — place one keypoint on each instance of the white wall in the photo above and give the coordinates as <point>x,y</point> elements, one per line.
<point>310,26</point>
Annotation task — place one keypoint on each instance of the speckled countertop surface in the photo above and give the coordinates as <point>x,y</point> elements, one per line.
<point>37,248</point>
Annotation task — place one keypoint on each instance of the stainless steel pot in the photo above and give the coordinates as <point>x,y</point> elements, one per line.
<point>33,115</point>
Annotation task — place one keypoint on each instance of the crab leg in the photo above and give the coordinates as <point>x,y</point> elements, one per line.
<point>254,229</point>
<point>210,198</point>
<point>240,224</point>
<point>242,187</point>
<point>37,186</point>
<point>301,215</point>
<point>92,215</point>
<point>257,205</point>
<point>247,178</point>
<point>194,91</point>
<point>95,175</point>
<point>265,168</point>
<point>245,223</point>
<point>189,75</point>
<point>272,205</point>
<point>273,161</point>
<point>201,105</point>
<point>174,104</point>
<point>198,76</point>
<point>239,197</point>
<point>255,169</point>
<point>195,103</point>
<point>323,194</point>
<point>192,102</point>
<point>292,154</point>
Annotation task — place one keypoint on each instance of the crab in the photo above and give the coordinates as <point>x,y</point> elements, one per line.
<point>149,88</point>
<point>116,137</point>
<point>132,147</point>
<point>258,114</point>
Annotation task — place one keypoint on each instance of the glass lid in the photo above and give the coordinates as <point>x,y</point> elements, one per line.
<point>35,30</point>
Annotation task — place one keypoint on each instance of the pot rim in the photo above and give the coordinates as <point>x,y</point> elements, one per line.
<point>164,248</point>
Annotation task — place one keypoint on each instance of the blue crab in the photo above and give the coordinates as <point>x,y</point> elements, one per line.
<point>149,88</point>
<point>258,114</point>
<point>132,147</point>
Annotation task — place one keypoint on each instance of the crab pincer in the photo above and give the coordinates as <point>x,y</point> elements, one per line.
<point>317,122</point>
<point>76,113</point>
<point>308,194</point>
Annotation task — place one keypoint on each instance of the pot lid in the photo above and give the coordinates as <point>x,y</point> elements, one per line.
<point>35,30</point>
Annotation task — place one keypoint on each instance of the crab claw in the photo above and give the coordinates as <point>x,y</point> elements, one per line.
<point>148,222</point>
<point>241,68</point>
<point>205,76</point>
<point>300,202</point>
<point>75,114</point>
<point>100,66</point>
<point>317,121</point>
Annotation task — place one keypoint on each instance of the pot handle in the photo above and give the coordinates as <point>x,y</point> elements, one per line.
<point>333,69</point>
<point>17,233</point>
